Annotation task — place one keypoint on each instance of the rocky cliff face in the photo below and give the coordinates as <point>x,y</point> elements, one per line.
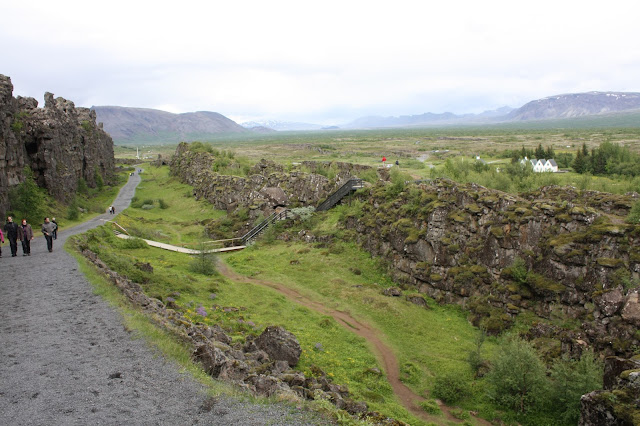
<point>60,143</point>
<point>267,185</point>
<point>555,255</point>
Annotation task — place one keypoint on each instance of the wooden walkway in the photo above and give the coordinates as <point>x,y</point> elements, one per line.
<point>182,249</point>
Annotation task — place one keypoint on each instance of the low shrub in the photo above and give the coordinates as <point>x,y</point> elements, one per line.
<point>430,406</point>
<point>451,387</point>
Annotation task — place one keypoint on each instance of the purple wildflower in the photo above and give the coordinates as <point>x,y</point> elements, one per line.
<point>201,311</point>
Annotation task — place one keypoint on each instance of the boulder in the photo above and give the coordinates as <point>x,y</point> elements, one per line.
<point>392,292</point>
<point>617,403</point>
<point>144,266</point>
<point>417,300</point>
<point>211,358</point>
<point>610,302</point>
<point>631,309</point>
<point>280,345</point>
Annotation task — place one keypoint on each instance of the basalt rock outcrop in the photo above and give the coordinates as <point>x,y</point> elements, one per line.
<point>268,185</point>
<point>618,404</point>
<point>60,143</point>
<point>564,259</point>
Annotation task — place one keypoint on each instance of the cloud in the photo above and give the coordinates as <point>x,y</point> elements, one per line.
<point>315,61</point>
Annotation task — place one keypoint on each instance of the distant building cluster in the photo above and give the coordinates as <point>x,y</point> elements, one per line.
<point>541,165</point>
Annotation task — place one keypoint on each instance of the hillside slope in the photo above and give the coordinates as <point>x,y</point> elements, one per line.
<point>146,125</point>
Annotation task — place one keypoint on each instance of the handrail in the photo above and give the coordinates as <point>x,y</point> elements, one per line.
<point>333,199</point>
<point>259,228</point>
<point>118,225</point>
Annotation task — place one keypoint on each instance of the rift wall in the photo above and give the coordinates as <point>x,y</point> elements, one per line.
<point>60,143</point>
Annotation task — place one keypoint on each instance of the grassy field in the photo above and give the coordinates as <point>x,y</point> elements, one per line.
<point>423,153</point>
<point>427,342</point>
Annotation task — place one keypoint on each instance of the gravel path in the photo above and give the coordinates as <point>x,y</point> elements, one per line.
<point>66,358</point>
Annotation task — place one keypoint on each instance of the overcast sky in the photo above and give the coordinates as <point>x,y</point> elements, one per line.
<point>325,62</point>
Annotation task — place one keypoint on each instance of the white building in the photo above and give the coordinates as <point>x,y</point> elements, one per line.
<point>542,165</point>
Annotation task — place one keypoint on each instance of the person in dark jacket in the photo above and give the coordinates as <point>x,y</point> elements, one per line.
<point>11,231</point>
<point>25,235</point>
<point>47,229</point>
<point>55,230</point>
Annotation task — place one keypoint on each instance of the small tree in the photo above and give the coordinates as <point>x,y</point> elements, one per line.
<point>475,356</point>
<point>82,187</point>
<point>518,377</point>
<point>72,209</point>
<point>99,180</point>
<point>27,199</point>
<point>204,262</point>
<point>571,379</point>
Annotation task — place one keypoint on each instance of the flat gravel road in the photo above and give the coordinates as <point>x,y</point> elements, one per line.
<point>66,358</point>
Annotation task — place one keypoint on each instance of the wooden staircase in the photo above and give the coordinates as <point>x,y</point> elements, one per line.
<point>346,189</point>
<point>262,226</point>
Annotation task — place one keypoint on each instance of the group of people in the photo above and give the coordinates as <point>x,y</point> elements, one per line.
<point>24,233</point>
<point>112,210</point>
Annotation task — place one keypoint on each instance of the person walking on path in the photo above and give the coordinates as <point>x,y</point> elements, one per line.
<point>11,231</point>
<point>1,241</point>
<point>25,235</point>
<point>55,230</point>
<point>47,229</point>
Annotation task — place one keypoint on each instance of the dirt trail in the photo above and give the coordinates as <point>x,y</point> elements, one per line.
<point>385,355</point>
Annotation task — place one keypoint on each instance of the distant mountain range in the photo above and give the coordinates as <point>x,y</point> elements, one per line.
<point>575,105</point>
<point>135,125</point>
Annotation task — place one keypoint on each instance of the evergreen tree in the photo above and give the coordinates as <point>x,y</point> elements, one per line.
<point>598,162</point>
<point>585,151</point>
<point>540,152</point>
<point>579,163</point>
<point>550,153</point>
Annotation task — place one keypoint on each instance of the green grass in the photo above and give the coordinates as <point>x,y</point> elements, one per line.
<point>179,223</point>
<point>427,342</point>
<point>344,357</point>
